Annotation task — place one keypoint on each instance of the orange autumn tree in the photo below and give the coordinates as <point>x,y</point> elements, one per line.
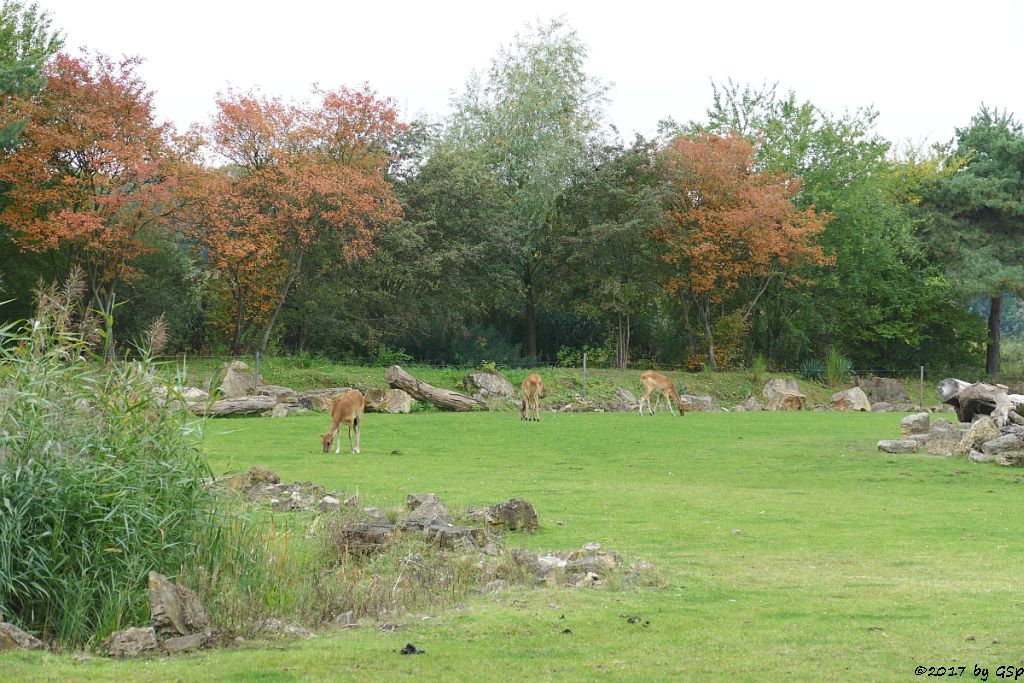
<point>302,181</point>
<point>94,172</point>
<point>728,230</point>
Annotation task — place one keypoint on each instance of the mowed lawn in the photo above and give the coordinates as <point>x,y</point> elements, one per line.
<point>787,548</point>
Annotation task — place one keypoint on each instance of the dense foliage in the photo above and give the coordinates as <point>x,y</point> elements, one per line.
<point>99,482</point>
<point>518,229</point>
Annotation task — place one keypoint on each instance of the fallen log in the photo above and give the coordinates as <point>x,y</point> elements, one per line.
<point>982,399</point>
<point>398,378</point>
<point>230,406</point>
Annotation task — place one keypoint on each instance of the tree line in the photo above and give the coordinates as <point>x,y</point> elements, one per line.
<point>520,227</point>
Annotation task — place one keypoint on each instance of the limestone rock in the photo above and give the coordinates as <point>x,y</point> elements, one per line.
<point>943,442</point>
<point>513,514</point>
<point>695,404</point>
<point>364,538</point>
<point>239,381</point>
<point>279,394</point>
<point>626,399</point>
<point>130,642</point>
<point>279,410</point>
<point>396,402</point>
<point>13,638</point>
<point>882,407</point>
<point>181,644</point>
<point>777,385</point>
<point>851,399</point>
<point>901,446</point>
<point>914,424</point>
<point>751,404</point>
<point>786,400</point>
<point>982,430</point>
<point>978,456</point>
<point>175,609</point>
<point>488,384</point>
<point>1006,450</point>
<point>883,390</point>
<point>426,509</point>
<point>321,399</point>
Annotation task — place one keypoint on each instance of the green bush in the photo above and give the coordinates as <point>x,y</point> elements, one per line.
<point>100,483</point>
<point>812,370</point>
<point>838,366</point>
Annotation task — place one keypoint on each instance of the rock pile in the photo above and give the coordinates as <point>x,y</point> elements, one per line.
<point>178,623</point>
<point>980,441</point>
<point>261,486</point>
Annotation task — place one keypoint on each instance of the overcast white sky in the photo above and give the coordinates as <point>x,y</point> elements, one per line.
<point>926,66</point>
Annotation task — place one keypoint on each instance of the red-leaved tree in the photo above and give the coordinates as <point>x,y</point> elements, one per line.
<point>93,173</point>
<point>728,231</point>
<point>301,179</point>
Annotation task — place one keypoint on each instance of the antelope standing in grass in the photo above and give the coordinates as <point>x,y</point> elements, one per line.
<point>347,409</point>
<point>533,386</point>
<point>655,381</point>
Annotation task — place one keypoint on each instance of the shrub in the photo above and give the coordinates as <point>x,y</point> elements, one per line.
<point>838,366</point>
<point>813,370</point>
<point>99,482</point>
<point>758,368</point>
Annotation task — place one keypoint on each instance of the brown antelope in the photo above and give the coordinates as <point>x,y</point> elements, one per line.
<point>655,381</point>
<point>347,409</point>
<point>533,387</point>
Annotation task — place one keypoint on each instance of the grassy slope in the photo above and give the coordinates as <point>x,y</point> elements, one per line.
<point>559,383</point>
<point>849,563</point>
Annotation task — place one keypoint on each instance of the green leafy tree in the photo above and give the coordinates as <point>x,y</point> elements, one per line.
<point>976,216</point>
<point>600,254</point>
<point>26,42</point>
<point>528,125</point>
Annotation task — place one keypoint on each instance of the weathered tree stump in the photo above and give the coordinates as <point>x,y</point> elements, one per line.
<point>982,399</point>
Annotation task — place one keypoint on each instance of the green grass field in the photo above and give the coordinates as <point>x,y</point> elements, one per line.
<point>788,549</point>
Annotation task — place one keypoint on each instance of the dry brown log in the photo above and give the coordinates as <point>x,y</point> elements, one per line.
<point>398,378</point>
<point>230,406</point>
<point>981,399</point>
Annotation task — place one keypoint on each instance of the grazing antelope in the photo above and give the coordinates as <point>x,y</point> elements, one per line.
<point>347,409</point>
<point>533,387</point>
<point>655,381</point>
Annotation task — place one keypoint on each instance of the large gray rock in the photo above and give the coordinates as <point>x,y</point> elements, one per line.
<point>130,642</point>
<point>914,424</point>
<point>901,446</point>
<point>174,609</point>
<point>786,400</point>
<point>694,404</point>
<point>982,430</point>
<point>279,394</point>
<point>776,385</point>
<point>321,399</point>
<point>396,402</point>
<point>513,514</point>
<point>751,404</point>
<point>626,399</point>
<point>883,390</point>
<point>13,638</point>
<point>426,509</point>
<point>944,441</point>
<point>239,381</point>
<point>882,407</point>
<point>181,644</point>
<point>851,399</point>
<point>978,456</point>
<point>487,384</point>
<point>1006,450</point>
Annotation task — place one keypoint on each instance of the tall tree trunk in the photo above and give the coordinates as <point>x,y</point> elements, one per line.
<point>293,274</point>
<point>704,308</point>
<point>994,315</point>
